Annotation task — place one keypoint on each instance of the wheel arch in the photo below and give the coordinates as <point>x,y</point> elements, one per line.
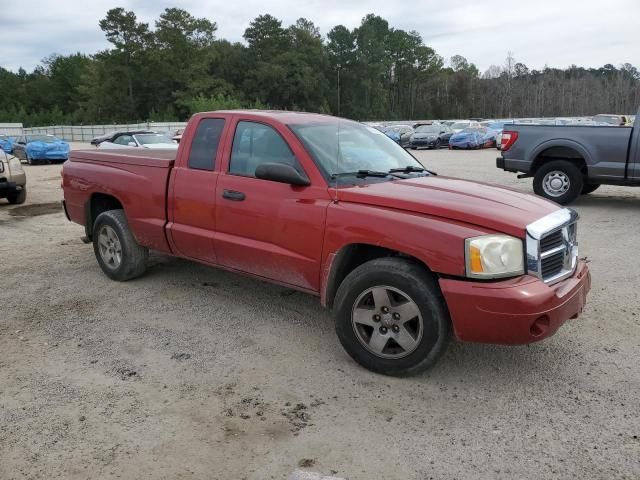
<point>567,150</point>
<point>99,202</point>
<point>351,256</point>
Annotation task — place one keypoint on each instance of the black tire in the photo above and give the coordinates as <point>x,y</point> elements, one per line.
<point>570,171</point>
<point>438,144</point>
<point>18,197</point>
<point>587,188</point>
<point>133,262</point>
<point>421,288</point>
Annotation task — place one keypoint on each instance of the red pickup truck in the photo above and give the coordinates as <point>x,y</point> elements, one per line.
<point>405,258</point>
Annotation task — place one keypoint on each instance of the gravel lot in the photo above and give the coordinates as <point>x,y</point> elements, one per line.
<point>191,372</point>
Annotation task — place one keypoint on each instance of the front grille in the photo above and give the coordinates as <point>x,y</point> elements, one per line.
<point>551,241</point>
<point>552,249</point>
<point>552,265</point>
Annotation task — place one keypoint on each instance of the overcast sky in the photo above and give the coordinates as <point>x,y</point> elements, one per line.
<point>557,33</point>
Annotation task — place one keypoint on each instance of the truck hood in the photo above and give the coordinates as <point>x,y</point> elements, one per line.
<point>495,208</point>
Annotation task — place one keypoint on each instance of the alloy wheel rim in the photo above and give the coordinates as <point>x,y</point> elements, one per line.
<point>110,247</point>
<point>556,183</point>
<point>387,322</point>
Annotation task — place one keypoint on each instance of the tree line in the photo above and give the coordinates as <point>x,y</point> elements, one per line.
<point>371,72</point>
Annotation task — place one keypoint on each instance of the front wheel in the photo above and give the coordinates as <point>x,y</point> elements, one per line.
<point>391,317</point>
<point>119,255</point>
<point>558,180</point>
<point>438,144</point>
<point>18,197</point>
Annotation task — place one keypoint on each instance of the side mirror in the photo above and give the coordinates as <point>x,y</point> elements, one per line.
<point>132,144</point>
<point>283,173</point>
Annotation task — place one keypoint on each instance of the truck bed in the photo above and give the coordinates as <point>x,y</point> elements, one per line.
<point>137,178</point>
<point>130,156</point>
<point>604,149</point>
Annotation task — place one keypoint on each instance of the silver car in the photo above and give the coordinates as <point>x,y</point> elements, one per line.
<point>13,180</point>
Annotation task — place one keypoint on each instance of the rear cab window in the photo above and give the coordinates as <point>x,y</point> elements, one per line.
<point>204,146</point>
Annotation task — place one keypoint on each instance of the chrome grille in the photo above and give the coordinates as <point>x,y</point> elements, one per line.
<point>553,240</point>
<point>552,248</point>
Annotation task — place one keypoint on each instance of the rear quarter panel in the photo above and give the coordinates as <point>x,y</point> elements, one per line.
<point>141,189</point>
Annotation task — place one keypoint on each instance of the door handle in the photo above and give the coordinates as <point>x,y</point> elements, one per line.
<point>233,195</point>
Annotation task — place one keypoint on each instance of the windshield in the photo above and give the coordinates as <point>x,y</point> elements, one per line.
<point>347,147</point>
<point>481,131</point>
<point>460,125</point>
<point>153,138</point>
<point>41,138</point>
<point>429,129</point>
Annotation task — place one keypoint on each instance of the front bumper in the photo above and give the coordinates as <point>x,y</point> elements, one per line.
<point>423,143</point>
<point>514,311</point>
<point>464,145</point>
<point>49,155</point>
<point>7,188</point>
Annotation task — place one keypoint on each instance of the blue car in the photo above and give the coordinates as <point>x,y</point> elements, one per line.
<point>41,148</point>
<point>6,143</point>
<point>473,138</point>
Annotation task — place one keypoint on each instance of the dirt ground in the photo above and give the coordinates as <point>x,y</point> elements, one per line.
<point>190,372</point>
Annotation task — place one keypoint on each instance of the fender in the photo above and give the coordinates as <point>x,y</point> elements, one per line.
<point>560,142</point>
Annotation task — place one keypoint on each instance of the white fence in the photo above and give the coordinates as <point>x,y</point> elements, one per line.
<point>84,133</point>
<point>11,129</point>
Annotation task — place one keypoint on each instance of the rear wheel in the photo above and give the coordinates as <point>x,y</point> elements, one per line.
<point>589,187</point>
<point>391,317</point>
<point>558,180</point>
<point>119,255</point>
<point>438,144</point>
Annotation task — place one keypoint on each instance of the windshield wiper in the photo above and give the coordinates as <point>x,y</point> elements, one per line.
<point>407,169</point>
<point>363,173</point>
<point>412,169</point>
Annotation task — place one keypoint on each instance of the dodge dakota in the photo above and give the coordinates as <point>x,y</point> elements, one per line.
<point>567,161</point>
<point>405,259</point>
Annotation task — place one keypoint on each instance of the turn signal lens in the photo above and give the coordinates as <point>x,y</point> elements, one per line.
<point>475,261</point>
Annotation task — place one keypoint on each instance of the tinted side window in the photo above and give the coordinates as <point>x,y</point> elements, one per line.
<point>254,144</point>
<point>205,144</point>
<point>123,140</point>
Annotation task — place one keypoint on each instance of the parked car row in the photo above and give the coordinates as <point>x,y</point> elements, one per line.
<point>463,134</point>
<point>35,148</point>
<point>476,133</point>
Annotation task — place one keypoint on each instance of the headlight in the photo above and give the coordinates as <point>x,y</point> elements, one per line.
<point>15,166</point>
<point>494,256</point>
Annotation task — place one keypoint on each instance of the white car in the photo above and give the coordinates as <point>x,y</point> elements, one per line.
<point>154,141</point>
<point>462,124</point>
